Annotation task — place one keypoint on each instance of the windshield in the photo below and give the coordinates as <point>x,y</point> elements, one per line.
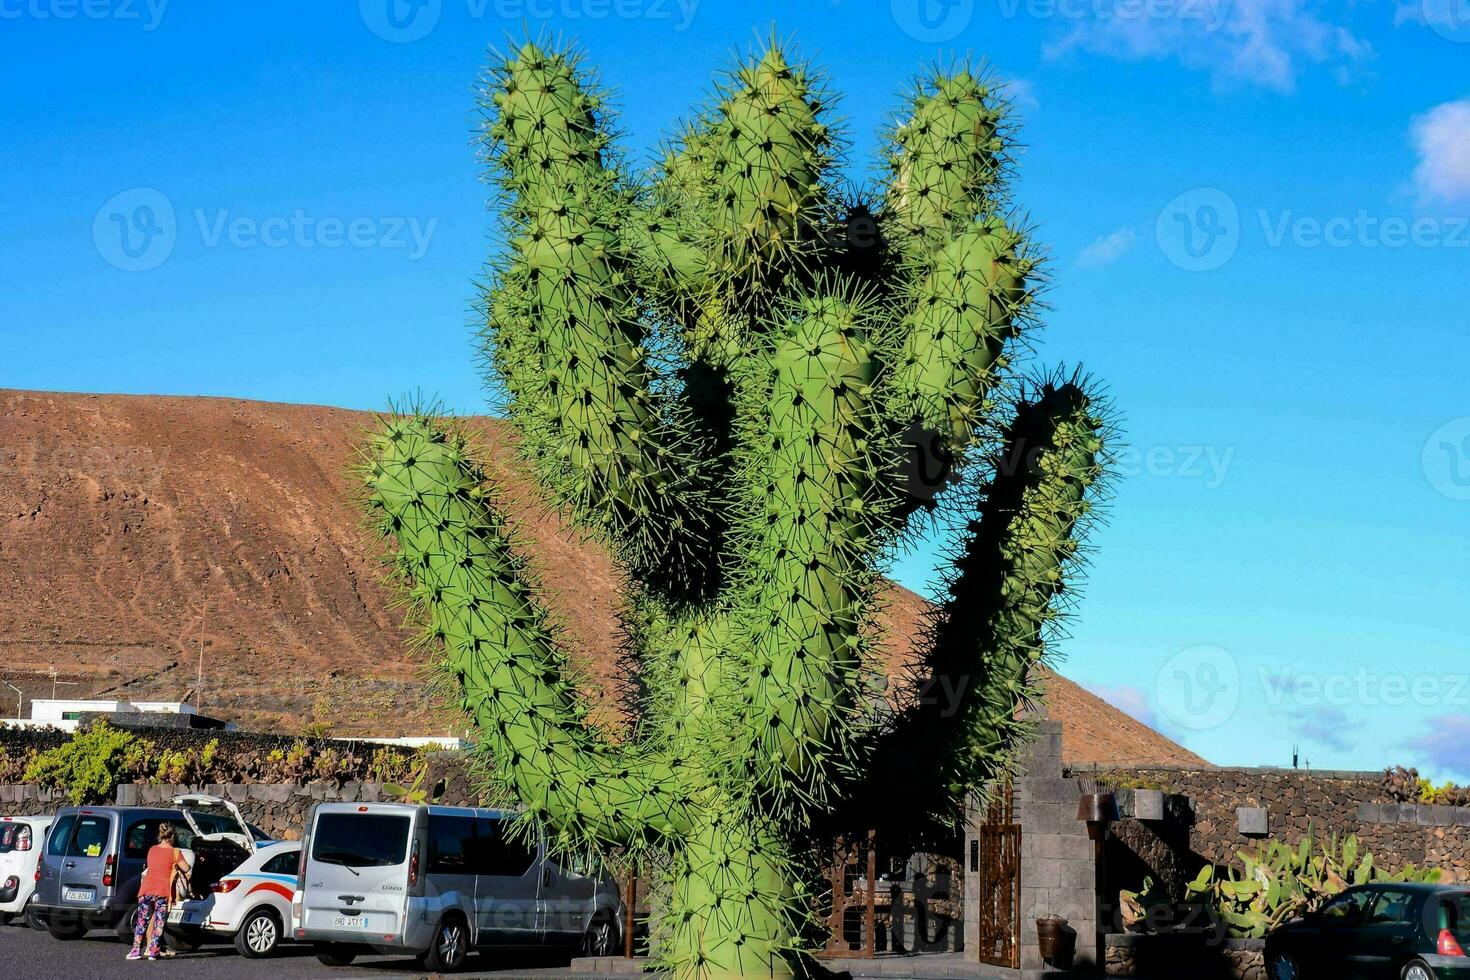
<point>361,840</point>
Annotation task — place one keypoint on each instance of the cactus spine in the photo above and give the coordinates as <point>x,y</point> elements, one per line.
<point>714,376</point>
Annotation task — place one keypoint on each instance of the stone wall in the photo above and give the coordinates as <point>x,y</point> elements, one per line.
<point>1184,958</point>
<point>279,809</point>
<point>1206,830</point>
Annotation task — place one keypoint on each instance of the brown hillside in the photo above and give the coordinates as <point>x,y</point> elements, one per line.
<point>133,529</point>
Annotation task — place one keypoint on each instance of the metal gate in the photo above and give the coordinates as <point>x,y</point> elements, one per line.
<point>995,857</point>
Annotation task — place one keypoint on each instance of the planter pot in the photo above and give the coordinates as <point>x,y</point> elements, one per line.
<point>1056,940</point>
<point>1097,810</point>
<point>1148,804</point>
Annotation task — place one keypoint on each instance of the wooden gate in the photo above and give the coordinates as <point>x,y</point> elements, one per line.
<point>995,858</point>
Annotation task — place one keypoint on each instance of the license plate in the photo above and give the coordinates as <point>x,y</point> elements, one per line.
<point>181,917</point>
<point>76,894</point>
<point>349,922</point>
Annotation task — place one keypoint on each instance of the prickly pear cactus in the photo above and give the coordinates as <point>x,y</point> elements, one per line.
<point>723,370</point>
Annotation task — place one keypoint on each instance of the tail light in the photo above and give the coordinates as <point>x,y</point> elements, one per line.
<point>22,842</point>
<point>413,866</point>
<point>12,882</point>
<point>108,867</point>
<point>225,887</point>
<point>1447,945</point>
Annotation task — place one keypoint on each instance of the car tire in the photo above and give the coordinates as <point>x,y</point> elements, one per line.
<point>259,935</point>
<point>451,946</point>
<point>335,954</point>
<point>5,918</point>
<point>182,942</point>
<point>1417,970</point>
<point>33,918</point>
<point>1282,966</point>
<point>601,938</point>
<point>66,928</point>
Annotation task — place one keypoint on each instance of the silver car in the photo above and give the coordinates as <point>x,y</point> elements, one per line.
<point>439,881</point>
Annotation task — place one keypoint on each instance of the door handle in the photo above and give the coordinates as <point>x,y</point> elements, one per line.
<point>70,864</point>
<point>1396,939</point>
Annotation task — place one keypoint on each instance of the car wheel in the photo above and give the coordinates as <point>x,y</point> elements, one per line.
<point>5,918</point>
<point>1284,966</point>
<point>451,946</point>
<point>259,934</point>
<point>336,954</point>
<point>1417,970</point>
<point>183,942</point>
<point>66,928</point>
<point>33,918</point>
<point>601,938</point>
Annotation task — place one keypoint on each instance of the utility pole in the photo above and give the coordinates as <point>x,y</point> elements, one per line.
<point>20,699</point>
<point>199,675</point>
<point>52,673</point>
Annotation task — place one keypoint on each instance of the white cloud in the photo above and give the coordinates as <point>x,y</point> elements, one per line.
<point>1445,745</point>
<point>1442,139</point>
<point>1264,43</point>
<point>1128,699</point>
<point>1107,249</point>
<point>1021,93</point>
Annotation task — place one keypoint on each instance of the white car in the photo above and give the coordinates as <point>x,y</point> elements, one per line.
<point>251,905</point>
<point>21,841</point>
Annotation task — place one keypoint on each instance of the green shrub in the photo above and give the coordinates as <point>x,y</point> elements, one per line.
<point>89,767</point>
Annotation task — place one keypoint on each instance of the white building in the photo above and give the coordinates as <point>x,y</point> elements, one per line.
<point>66,714</point>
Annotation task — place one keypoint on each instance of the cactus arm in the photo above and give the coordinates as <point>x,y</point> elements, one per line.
<point>568,337</point>
<point>1003,591</point>
<point>453,549</point>
<point>967,306</point>
<point>806,546</point>
<point>764,161</point>
<point>945,159</point>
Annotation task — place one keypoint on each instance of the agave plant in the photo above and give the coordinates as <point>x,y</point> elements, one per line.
<point>1277,882</point>
<point>723,370</point>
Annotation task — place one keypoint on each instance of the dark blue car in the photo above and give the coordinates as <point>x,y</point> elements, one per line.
<point>1382,931</point>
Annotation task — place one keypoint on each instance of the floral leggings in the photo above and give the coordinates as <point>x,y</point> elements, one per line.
<point>149,921</point>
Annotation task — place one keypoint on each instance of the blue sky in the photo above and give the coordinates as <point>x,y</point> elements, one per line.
<point>1256,212</point>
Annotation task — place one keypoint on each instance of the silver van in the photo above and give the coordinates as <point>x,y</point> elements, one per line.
<point>439,881</point>
<point>95,857</point>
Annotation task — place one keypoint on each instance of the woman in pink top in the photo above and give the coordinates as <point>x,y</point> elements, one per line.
<point>154,892</point>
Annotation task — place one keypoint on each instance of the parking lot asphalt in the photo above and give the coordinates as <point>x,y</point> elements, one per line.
<point>26,953</point>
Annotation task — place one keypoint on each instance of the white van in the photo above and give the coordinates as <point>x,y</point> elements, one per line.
<point>438,881</point>
<point>21,843</point>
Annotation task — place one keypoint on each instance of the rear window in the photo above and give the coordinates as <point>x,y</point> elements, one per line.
<point>90,837</point>
<point>283,864</point>
<point>360,840</point>
<point>451,844</point>
<point>15,837</point>
<point>141,836</point>
<point>500,853</point>
<point>60,835</point>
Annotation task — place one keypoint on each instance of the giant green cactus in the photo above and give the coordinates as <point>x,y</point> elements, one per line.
<point>720,373</point>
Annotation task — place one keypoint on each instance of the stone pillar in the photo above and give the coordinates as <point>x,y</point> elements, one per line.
<point>1059,866</point>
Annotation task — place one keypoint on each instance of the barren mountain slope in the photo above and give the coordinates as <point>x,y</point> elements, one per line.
<point>134,530</point>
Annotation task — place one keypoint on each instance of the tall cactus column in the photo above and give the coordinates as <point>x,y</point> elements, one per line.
<point>713,380</point>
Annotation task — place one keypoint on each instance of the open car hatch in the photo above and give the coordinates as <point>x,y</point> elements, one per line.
<point>215,819</point>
